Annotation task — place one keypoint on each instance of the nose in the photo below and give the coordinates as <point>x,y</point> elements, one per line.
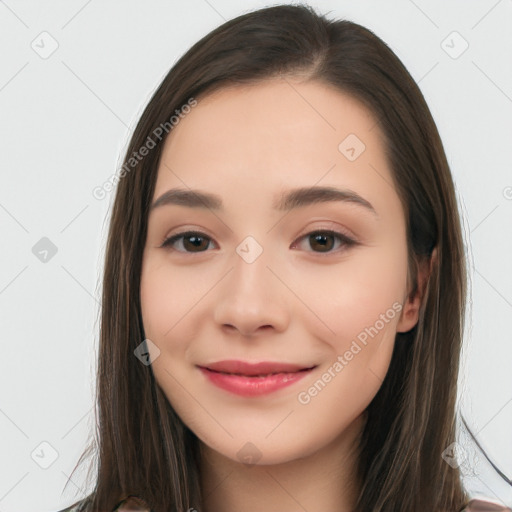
<point>252,298</point>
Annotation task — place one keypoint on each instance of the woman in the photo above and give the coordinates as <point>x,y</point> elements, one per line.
<point>285,213</point>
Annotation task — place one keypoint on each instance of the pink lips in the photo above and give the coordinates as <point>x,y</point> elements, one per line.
<point>253,379</point>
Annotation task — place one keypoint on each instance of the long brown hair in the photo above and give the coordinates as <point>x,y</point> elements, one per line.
<point>143,448</point>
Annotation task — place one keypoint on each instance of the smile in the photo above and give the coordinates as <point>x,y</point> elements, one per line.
<point>253,379</point>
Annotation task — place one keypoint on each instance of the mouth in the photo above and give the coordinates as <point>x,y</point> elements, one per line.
<point>262,369</point>
<point>249,379</point>
<point>261,376</point>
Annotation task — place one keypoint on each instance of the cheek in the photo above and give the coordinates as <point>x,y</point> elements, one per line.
<point>357,305</point>
<point>163,300</point>
<point>155,305</point>
<point>166,297</point>
<point>358,290</point>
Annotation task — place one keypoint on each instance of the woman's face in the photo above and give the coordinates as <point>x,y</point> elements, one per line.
<point>263,278</point>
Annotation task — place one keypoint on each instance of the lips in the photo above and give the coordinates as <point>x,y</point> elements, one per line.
<point>264,368</point>
<point>251,380</point>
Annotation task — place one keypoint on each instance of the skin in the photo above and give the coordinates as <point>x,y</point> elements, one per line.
<point>294,303</point>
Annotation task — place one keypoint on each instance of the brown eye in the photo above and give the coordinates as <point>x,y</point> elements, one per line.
<point>324,241</point>
<point>192,241</point>
<point>196,242</point>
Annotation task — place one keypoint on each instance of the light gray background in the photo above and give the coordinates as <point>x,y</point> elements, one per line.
<point>64,125</point>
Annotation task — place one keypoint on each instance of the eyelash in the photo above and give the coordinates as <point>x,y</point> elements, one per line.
<point>345,240</point>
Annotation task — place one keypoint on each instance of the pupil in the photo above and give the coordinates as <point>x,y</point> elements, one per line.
<point>195,241</point>
<point>319,238</point>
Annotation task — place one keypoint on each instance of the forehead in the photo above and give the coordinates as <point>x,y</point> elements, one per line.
<point>275,134</point>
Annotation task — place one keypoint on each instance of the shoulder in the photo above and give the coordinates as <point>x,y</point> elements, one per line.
<point>73,508</point>
<point>484,505</point>
<point>79,506</point>
<point>130,504</point>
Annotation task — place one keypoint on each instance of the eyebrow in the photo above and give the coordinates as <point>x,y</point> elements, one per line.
<point>291,199</point>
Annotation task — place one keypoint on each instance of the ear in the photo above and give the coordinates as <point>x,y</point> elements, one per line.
<point>411,310</point>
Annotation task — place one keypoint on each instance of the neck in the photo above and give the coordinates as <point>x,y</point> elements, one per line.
<point>324,480</point>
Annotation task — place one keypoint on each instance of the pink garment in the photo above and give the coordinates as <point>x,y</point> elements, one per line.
<point>480,505</point>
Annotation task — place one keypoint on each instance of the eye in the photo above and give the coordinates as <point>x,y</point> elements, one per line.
<point>192,241</point>
<point>322,240</point>
<point>195,241</point>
